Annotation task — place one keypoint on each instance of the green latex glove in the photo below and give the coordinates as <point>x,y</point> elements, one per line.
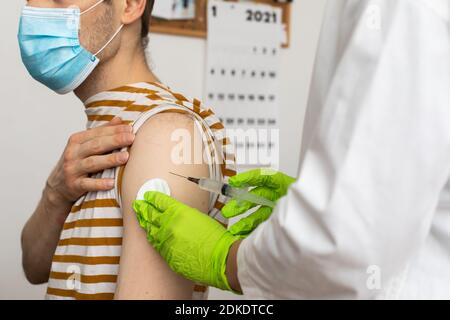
<point>193,244</point>
<point>269,184</point>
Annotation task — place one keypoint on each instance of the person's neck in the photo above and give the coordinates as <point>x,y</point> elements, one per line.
<point>126,67</point>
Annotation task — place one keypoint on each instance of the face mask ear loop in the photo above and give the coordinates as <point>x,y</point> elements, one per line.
<point>110,40</point>
<point>92,8</point>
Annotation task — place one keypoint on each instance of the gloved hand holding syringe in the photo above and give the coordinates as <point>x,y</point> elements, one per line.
<point>225,189</point>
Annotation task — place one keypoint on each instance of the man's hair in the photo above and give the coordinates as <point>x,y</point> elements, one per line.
<point>146,18</point>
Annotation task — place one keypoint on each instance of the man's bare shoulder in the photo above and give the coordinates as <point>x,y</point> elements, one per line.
<point>143,273</point>
<point>166,121</point>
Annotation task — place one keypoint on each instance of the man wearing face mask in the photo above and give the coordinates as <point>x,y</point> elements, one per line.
<point>97,50</point>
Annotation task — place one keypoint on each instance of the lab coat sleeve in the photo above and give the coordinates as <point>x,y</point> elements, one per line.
<point>376,157</point>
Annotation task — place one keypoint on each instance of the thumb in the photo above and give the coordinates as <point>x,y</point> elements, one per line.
<point>246,226</point>
<point>159,200</point>
<point>236,206</point>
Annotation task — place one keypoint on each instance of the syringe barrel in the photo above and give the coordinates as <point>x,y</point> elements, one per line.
<point>227,190</point>
<point>212,185</point>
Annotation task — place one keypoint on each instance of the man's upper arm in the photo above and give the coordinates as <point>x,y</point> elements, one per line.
<point>143,273</point>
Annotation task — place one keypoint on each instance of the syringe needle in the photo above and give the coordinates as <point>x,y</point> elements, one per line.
<point>179,175</point>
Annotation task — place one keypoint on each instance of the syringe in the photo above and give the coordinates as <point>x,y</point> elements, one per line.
<point>225,189</point>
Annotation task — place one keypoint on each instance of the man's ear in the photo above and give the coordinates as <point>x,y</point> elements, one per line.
<point>132,10</point>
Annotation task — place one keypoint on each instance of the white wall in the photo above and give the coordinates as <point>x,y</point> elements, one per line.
<point>36,123</point>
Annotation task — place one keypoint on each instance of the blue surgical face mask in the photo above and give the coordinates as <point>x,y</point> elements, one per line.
<point>51,50</point>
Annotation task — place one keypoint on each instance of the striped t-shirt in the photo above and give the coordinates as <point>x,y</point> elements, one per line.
<point>86,261</point>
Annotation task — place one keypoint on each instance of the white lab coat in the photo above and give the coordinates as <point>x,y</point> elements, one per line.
<point>370,214</point>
